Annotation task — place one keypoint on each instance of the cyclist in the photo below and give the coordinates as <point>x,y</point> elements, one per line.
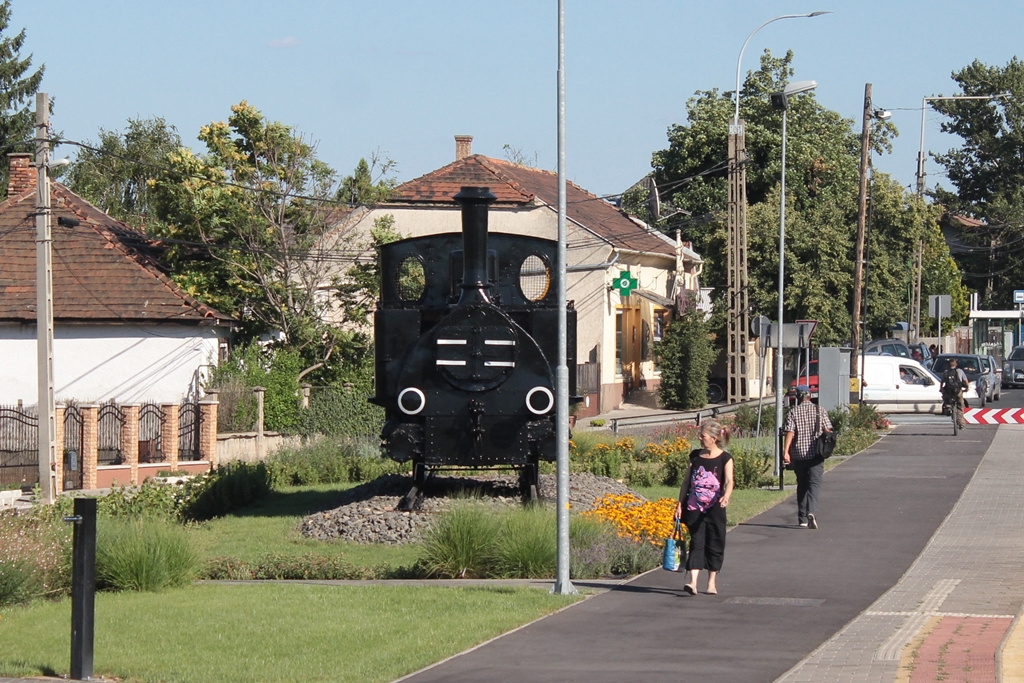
<point>954,382</point>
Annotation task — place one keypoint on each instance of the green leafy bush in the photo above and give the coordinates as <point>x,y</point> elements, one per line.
<point>747,421</point>
<point>686,353</point>
<point>229,487</point>
<point>331,460</point>
<point>35,554</point>
<point>673,472</point>
<point>342,411</point>
<point>641,473</point>
<point>144,554</point>
<point>750,466</point>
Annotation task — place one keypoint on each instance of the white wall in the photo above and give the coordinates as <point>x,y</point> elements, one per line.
<point>94,363</point>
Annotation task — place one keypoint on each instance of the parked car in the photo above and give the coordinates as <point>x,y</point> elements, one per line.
<point>1013,368</point>
<point>894,384</point>
<point>809,376</point>
<point>980,371</point>
<point>887,347</point>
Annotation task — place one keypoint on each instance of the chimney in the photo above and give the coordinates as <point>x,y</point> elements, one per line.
<point>463,146</point>
<point>23,174</point>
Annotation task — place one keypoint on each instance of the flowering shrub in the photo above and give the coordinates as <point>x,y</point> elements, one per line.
<point>636,518</point>
<point>660,452</point>
<point>35,557</point>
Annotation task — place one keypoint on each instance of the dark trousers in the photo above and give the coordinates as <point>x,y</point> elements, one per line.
<point>808,486</point>
<point>707,538</point>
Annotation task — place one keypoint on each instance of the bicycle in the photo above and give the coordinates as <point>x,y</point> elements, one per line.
<point>955,406</point>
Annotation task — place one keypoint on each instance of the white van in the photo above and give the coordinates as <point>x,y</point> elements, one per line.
<point>893,384</point>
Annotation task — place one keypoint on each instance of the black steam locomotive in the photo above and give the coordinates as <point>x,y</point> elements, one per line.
<point>466,349</point>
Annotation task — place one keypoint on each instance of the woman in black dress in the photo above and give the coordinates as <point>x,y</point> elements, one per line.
<point>702,501</point>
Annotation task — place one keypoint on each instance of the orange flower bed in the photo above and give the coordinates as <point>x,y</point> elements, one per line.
<point>636,518</point>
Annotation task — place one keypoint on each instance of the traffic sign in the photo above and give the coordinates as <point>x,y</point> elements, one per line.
<point>1018,296</point>
<point>994,416</point>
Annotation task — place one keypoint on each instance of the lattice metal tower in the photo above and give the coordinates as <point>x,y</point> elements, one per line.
<point>739,309</point>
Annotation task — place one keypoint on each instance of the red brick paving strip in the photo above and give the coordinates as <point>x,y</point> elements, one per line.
<point>960,650</point>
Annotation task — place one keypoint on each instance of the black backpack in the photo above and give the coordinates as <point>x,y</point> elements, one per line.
<point>951,382</point>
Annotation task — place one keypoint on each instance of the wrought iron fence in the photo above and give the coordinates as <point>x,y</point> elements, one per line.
<point>19,447</point>
<point>189,420</point>
<point>151,427</point>
<point>109,425</point>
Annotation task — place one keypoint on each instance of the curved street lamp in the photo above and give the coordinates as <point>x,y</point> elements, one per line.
<point>780,101</point>
<point>739,60</point>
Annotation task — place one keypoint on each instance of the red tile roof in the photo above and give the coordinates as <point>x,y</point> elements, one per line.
<point>515,184</point>
<point>99,272</point>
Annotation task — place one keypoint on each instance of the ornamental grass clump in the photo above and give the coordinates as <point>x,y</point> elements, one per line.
<point>460,543</point>
<point>35,556</point>
<point>144,554</point>
<point>527,545</point>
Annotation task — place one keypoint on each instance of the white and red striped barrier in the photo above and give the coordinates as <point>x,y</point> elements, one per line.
<point>994,416</point>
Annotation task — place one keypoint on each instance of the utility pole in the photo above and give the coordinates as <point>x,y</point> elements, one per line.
<point>44,306</point>
<point>858,263</point>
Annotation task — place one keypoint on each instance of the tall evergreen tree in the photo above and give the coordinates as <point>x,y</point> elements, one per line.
<point>17,88</point>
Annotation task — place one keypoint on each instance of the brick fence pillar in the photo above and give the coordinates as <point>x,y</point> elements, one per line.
<point>208,429</point>
<point>169,434</point>
<point>90,445</point>
<point>130,439</point>
<point>58,416</point>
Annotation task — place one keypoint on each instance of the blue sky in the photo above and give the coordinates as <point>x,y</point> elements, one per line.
<point>403,77</point>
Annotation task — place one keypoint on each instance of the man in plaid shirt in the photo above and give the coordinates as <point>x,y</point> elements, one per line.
<point>803,424</point>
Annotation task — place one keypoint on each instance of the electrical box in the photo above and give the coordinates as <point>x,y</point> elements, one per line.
<point>833,377</point>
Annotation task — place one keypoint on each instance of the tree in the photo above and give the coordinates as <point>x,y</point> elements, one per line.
<point>249,228</point>
<point>17,88</point>
<point>822,189</point>
<point>685,356</point>
<point>988,174</point>
<point>115,173</point>
<point>370,183</point>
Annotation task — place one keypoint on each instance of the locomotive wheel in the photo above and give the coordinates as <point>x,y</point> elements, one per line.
<point>414,499</point>
<point>529,483</point>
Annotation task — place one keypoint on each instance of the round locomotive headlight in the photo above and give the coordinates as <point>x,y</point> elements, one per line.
<point>540,400</point>
<point>411,401</point>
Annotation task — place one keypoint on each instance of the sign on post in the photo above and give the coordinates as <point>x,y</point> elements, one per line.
<point>1018,296</point>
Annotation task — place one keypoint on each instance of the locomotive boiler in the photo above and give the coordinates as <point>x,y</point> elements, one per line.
<point>466,345</point>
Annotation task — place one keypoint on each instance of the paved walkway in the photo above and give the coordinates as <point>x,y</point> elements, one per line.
<point>917,574</point>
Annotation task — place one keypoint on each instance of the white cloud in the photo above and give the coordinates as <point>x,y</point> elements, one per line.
<point>290,41</point>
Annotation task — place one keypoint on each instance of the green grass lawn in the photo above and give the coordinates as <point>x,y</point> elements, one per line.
<point>270,632</point>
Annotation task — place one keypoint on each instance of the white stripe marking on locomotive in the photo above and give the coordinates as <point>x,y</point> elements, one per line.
<point>499,364</point>
<point>500,342</point>
<point>451,342</point>
<point>451,362</point>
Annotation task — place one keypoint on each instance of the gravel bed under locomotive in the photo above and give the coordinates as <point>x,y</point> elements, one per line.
<point>466,344</point>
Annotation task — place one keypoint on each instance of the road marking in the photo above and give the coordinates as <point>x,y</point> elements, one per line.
<point>994,416</point>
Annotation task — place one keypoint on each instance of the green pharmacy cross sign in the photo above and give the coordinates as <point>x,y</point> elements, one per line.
<point>625,283</point>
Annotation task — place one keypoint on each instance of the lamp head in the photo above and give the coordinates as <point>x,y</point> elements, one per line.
<point>882,114</point>
<point>798,87</point>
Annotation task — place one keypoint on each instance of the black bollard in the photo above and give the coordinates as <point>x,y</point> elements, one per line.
<point>83,588</point>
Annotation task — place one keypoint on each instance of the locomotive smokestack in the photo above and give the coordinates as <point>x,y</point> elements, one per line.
<point>474,201</point>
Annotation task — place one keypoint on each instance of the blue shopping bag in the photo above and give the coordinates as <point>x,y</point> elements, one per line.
<point>672,559</point>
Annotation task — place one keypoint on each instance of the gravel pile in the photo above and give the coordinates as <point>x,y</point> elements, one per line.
<point>366,513</point>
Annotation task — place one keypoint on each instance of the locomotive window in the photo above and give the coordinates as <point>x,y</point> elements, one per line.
<point>410,279</point>
<point>534,278</point>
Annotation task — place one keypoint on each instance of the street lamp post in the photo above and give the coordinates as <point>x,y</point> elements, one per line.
<point>780,101</point>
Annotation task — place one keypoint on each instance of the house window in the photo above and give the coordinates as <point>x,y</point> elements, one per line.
<point>660,321</point>
<point>645,341</point>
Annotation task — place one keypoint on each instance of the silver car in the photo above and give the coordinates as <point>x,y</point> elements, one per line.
<point>1013,368</point>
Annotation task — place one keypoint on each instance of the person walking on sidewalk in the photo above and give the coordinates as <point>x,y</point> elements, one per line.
<point>702,501</point>
<point>803,425</point>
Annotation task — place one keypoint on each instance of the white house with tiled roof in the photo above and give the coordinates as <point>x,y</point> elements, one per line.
<point>123,330</point>
<point>614,333</point>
